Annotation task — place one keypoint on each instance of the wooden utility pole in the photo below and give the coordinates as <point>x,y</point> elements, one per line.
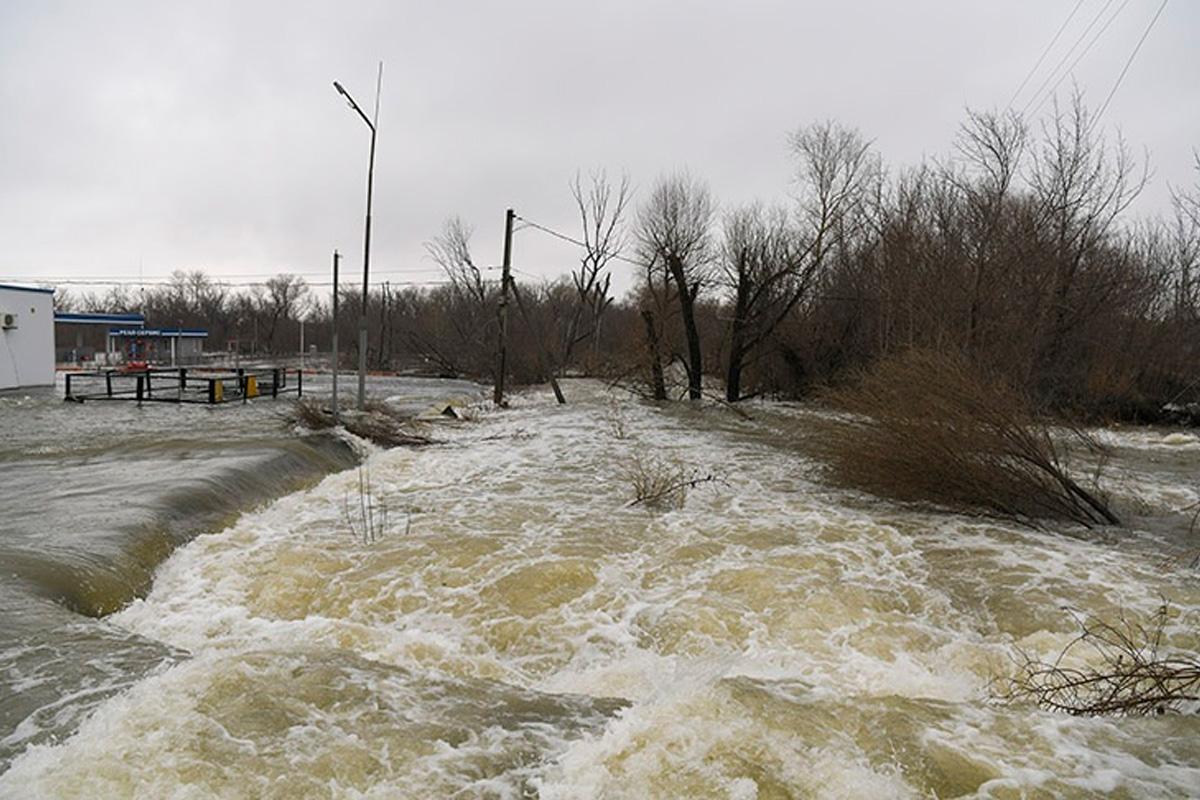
<point>336,258</point>
<point>505,277</point>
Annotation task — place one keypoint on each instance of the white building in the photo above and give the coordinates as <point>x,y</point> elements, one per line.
<point>26,337</point>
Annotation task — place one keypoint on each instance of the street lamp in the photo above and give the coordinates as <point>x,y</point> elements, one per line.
<point>362,317</point>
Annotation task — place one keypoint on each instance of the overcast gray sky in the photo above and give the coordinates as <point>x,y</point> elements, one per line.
<point>141,137</point>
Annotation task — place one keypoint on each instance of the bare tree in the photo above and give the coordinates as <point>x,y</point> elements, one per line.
<point>1185,250</point>
<point>282,301</point>
<point>991,144</point>
<point>65,301</point>
<point>451,250</point>
<point>205,296</point>
<point>770,265</point>
<point>675,242</point>
<point>759,260</point>
<point>467,301</point>
<point>1080,187</point>
<point>602,206</point>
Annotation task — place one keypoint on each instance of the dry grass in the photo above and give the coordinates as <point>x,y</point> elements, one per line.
<point>1129,672</point>
<point>927,427</point>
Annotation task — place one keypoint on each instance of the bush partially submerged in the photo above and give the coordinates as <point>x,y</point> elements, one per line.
<point>368,519</point>
<point>379,422</point>
<point>661,484</point>
<point>1124,670</point>
<point>927,427</point>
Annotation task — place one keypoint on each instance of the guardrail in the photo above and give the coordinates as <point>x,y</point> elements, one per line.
<point>183,385</point>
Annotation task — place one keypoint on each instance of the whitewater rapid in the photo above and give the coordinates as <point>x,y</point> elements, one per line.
<point>522,630</point>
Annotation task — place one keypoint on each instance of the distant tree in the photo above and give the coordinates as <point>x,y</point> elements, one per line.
<point>282,301</point>
<point>65,301</point>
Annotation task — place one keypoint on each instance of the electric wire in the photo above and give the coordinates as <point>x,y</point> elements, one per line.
<point>227,279</point>
<point>1045,52</point>
<point>1128,63</point>
<point>1042,97</point>
<point>217,283</point>
<point>564,237</point>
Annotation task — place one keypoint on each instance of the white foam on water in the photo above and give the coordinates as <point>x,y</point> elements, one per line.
<point>772,635</point>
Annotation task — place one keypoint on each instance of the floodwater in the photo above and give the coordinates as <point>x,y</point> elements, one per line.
<point>518,629</point>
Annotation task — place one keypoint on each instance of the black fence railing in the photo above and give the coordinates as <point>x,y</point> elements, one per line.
<point>183,385</point>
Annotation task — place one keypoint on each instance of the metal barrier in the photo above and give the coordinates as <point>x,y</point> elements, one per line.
<point>181,385</point>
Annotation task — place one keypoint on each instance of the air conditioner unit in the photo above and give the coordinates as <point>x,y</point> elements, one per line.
<point>8,320</point>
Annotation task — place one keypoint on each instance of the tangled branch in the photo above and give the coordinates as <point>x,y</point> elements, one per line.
<point>1131,672</point>
<point>663,484</point>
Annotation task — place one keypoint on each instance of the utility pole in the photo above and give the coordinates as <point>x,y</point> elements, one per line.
<point>502,358</point>
<point>336,355</point>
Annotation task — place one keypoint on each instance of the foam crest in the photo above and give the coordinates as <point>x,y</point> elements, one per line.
<point>770,638</point>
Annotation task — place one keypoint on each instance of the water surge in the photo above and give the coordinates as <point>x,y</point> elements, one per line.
<point>521,630</point>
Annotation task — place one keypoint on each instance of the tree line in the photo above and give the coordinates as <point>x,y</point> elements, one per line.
<point>1016,251</point>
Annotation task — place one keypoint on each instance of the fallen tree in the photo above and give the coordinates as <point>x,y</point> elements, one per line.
<point>377,422</point>
<point>930,427</point>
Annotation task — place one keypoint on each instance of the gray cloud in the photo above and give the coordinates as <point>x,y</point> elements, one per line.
<point>141,137</point>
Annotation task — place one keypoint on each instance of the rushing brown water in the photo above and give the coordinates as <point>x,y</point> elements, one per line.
<point>521,630</point>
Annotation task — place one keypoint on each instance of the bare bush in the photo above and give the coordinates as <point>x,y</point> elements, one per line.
<point>1125,670</point>
<point>928,427</point>
<point>663,484</point>
<point>617,424</point>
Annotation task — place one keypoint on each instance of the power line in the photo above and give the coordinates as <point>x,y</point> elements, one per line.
<point>1066,57</point>
<point>551,232</point>
<point>1125,69</point>
<point>558,235</point>
<point>188,275</point>
<point>223,284</point>
<point>222,279</point>
<point>1071,69</point>
<point>1045,52</point>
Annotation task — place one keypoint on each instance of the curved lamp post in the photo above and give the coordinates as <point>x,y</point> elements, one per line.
<point>362,317</point>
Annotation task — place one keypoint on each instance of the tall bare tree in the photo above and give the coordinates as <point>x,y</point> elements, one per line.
<point>1185,250</point>
<point>759,257</point>
<point>451,251</point>
<point>769,264</point>
<point>675,242</point>
<point>991,144</point>
<point>1080,187</point>
<point>602,206</point>
<point>463,348</point>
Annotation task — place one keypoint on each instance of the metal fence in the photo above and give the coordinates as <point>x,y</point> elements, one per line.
<point>183,385</point>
